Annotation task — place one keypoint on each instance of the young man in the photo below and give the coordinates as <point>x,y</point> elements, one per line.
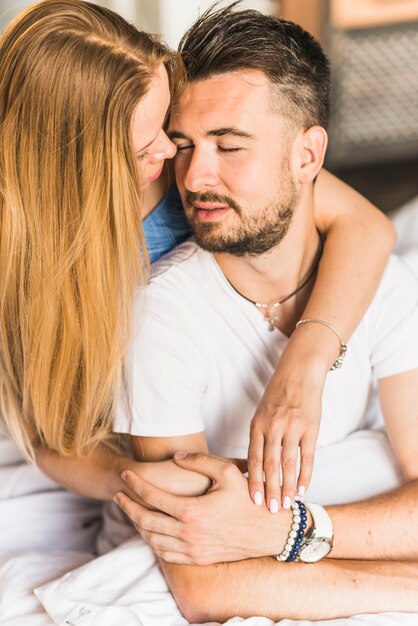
<point>251,138</point>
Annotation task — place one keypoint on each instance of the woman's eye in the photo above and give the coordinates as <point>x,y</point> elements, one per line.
<point>143,156</point>
<point>180,148</point>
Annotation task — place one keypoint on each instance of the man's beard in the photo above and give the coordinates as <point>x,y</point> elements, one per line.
<point>256,234</point>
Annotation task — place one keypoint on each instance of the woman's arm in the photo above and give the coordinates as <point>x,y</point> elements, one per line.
<point>359,240</point>
<point>98,475</point>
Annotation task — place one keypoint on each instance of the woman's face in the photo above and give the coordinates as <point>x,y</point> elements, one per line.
<point>151,144</point>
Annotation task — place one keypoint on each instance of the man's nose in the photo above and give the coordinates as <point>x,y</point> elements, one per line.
<point>201,173</point>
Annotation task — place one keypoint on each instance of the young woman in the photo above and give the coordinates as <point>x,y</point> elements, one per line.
<point>83,101</point>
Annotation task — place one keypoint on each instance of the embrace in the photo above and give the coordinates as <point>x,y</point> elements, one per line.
<point>196,397</point>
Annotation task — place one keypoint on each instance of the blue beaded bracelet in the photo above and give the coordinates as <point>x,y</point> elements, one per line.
<point>296,534</point>
<point>294,553</point>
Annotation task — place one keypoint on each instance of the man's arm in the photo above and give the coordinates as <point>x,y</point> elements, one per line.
<point>226,524</point>
<point>385,526</point>
<point>330,589</point>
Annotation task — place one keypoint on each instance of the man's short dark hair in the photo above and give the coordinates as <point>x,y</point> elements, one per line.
<point>227,40</point>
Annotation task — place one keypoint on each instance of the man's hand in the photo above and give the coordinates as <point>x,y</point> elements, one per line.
<point>222,525</point>
<point>288,417</point>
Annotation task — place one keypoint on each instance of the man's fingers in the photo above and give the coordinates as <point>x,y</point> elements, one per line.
<point>272,455</point>
<point>255,467</point>
<point>164,543</point>
<point>289,461</point>
<point>175,557</point>
<point>156,522</point>
<point>214,467</point>
<point>307,455</point>
<point>153,496</point>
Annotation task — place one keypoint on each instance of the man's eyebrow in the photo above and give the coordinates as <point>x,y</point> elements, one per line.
<point>230,130</point>
<point>217,132</point>
<point>176,134</point>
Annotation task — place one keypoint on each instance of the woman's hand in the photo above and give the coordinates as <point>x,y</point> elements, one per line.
<point>288,418</point>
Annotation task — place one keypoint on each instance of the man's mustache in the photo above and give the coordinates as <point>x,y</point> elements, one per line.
<point>210,196</point>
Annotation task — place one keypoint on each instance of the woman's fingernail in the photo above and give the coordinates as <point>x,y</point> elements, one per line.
<point>181,454</point>
<point>274,505</point>
<point>124,476</point>
<point>301,490</point>
<point>115,499</point>
<point>258,498</point>
<point>286,502</point>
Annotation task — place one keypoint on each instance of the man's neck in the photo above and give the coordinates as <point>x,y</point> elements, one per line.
<point>272,276</point>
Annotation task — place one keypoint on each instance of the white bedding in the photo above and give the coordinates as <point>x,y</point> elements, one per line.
<point>47,535</point>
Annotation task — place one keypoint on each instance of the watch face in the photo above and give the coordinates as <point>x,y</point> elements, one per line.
<point>314,550</point>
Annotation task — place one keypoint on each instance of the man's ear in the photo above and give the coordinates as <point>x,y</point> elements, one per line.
<point>312,147</point>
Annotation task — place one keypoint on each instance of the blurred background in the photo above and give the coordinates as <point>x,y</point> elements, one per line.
<point>373,49</point>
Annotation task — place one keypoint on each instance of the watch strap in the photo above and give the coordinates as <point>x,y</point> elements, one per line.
<point>321,520</point>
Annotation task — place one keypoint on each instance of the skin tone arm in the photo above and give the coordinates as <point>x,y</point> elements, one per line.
<point>289,412</point>
<point>224,525</point>
<point>98,475</point>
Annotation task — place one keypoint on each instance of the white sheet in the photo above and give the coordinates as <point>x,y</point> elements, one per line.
<point>45,532</point>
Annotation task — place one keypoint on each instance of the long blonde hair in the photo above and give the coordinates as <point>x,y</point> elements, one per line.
<point>71,247</point>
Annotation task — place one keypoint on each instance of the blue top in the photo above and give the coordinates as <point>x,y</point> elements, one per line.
<point>165,227</point>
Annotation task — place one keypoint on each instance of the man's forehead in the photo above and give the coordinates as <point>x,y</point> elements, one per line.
<point>252,85</point>
<point>230,96</point>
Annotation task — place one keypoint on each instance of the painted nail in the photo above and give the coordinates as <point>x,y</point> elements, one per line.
<point>115,499</point>
<point>258,498</point>
<point>274,506</point>
<point>124,476</point>
<point>286,502</point>
<point>301,490</point>
<point>181,454</point>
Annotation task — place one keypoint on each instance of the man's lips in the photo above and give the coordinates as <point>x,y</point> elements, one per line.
<point>210,211</point>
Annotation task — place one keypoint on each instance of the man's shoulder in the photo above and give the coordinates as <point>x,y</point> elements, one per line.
<point>390,326</point>
<point>183,276</point>
<point>398,282</point>
<point>183,258</point>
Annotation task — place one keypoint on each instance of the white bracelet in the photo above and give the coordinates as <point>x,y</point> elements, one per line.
<point>296,534</point>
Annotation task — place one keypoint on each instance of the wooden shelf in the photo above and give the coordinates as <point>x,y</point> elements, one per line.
<point>347,14</point>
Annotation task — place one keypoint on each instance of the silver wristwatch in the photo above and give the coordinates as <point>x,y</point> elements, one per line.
<point>317,544</point>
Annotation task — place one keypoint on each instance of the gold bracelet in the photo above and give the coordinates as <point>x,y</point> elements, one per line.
<point>343,346</point>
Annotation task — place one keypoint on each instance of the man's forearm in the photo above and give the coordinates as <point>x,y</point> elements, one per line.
<point>326,590</point>
<point>380,528</point>
<point>378,532</point>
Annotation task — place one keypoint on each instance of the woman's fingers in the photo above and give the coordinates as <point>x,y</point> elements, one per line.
<point>272,458</point>
<point>255,465</point>
<point>307,456</point>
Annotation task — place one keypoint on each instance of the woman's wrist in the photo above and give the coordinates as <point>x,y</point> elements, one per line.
<point>318,346</point>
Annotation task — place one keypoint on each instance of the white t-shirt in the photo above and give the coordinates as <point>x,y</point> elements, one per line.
<point>202,355</point>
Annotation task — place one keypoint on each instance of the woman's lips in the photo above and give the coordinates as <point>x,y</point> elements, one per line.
<point>155,176</point>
